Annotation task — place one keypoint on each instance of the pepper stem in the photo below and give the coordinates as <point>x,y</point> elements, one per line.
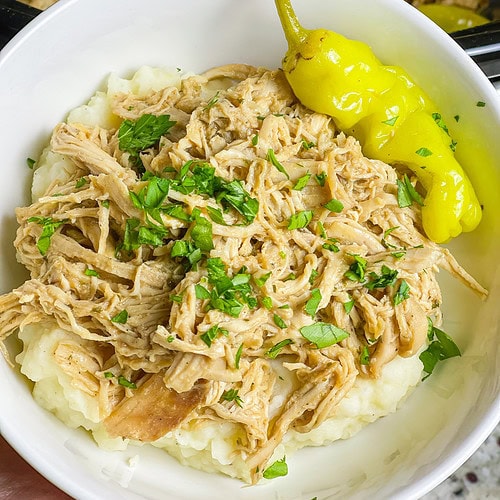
<point>294,32</point>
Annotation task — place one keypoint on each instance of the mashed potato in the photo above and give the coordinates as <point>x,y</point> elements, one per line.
<point>208,447</point>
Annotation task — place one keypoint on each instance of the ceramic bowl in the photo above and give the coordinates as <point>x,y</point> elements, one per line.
<point>57,63</point>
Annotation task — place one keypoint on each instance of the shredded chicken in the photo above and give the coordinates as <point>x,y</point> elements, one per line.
<point>162,346</point>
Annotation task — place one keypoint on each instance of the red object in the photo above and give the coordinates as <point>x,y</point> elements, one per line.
<point>19,480</point>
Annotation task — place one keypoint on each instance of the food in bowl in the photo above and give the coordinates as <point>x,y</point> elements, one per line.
<point>219,272</point>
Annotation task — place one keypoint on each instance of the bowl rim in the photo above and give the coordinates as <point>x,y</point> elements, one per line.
<point>461,452</point>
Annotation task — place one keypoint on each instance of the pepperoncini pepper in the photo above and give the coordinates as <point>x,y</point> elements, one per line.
<point>394,120</point>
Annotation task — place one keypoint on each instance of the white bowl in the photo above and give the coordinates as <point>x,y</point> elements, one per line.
<point>60,59</point>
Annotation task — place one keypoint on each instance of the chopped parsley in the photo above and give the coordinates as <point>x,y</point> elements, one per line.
<point>321,230</point>
<point>331,244</point>
<point>213,101</point>
<point>49,226</point>
<point>233,194</point>
<point>386,278</point>
<point>312,304</point>
<point>91,272</point>
<point>237,357</point>
<point>480,104</point>
<point>121,317</point>
<point>271,157</point>
<point>267,302</point>
<point>126,383</point>
<point>307,145</point>
<point>313,276</point>
<point>402,294</point>
<point>136,136</point>
<point>278,321</point>
<point>30,162</point>
<point>300,219</point>
<point>302,182</point>
<point>81,182</point>
<point>186,249</point>
<point>424,152</point>
<point>441,347</point>
<point>321,178</point>
<point>261,281</point>
<point>136,235</point>
<point>323,334</point>
<point>391,121</point>
<point>348,306</point>
<point>440,122</point>
<point>276,349</point>
<point>232,395</point>
<point>229,295</point>
<point>357,269</point>
<point>212,333</point>
<point>151,197</point>
<point>364,357</point>
<point>407,193</point>
<point>201,292</point>
<point>201,232</point>
<point>277,469</point>
<point>334,206</point>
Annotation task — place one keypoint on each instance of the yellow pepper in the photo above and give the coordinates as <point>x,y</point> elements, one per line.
<point>452,17</point>
<point>394,120</point>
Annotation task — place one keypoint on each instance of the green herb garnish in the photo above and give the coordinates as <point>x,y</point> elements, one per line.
<point>334,206</point>
<point>391,121</point>
<point>302,182</point>
<point>323,334</point>
<point>126,383</point>
<point>402,294</point>
<point>364,357</point>
<point>424,152</point>
<point>232,395</point>
<point>441,347</point>
<point>277,469</point>
<point>49,226</point>
<point>300,219</point>
<point>278,321</point>
<point>276,349</point>
<point>386,278</point>
<point>81,182</point>
<point>407,194</point>
<point>321,178</point>
<point>238,357</point>
<point>121,317</point>
<point>136,136</point>
<point>312,304</point>
<point>212,333</point>
<point>261,280</point>
<point>357,269</point>
<point>440,122</point>
<point>348,306</point>
<point>211,103</point>
<point>271,156</point>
